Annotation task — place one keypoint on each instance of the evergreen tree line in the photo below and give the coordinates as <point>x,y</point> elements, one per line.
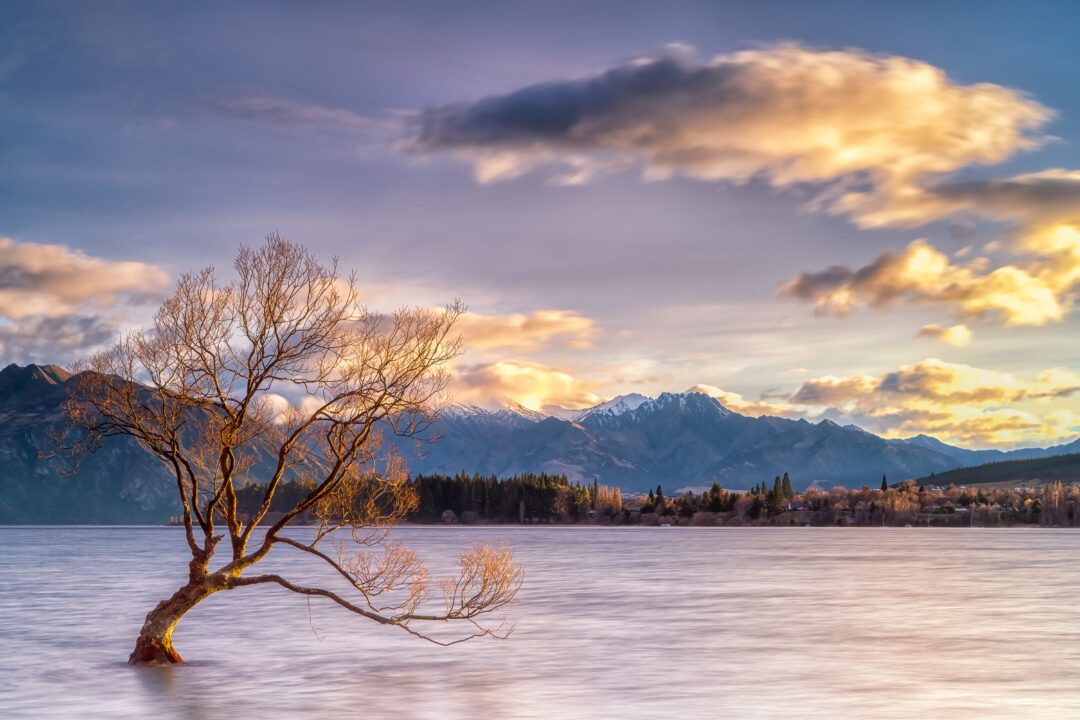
<point>521,498</point>
<point>548,498</point>
<point>524,497</point>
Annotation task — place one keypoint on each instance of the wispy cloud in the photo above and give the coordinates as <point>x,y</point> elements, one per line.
<point>533,385</point>
<point>521,332</point>
<point>290,113</point>
<point>735,401</point>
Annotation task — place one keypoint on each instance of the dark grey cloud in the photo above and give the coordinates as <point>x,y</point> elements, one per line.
<point>576,114</point>
<point>1048,196</point>
<point>877,283</point>
<point>809,286</point>
<point>54,339</point>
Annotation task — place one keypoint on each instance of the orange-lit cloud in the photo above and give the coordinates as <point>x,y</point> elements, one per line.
<point>1035,286</point>
<point>57,303</point>
<point>922,274</point>
<point>521,332</point>
<point>958,335</point>
<point>955,402</point>
<point>53,280</point>
<point>533,385</point>
<point>874,128</point>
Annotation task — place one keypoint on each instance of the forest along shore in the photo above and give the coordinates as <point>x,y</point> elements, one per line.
<point>542,499</point>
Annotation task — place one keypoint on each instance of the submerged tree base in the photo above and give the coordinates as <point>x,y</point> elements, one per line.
<point>154,644</point>
<point>154,651</point>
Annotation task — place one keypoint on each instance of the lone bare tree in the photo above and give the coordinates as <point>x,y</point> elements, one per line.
<point>202,391</point>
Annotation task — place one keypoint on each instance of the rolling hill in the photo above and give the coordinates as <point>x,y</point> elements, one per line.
<point>1065,468</point>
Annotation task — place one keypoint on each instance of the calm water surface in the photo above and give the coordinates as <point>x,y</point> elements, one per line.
<point>612,623</point>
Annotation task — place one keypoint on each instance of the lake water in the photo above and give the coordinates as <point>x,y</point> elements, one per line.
<point>612,623</point>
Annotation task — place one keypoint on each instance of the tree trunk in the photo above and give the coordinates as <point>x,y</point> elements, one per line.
<point>154,644</point>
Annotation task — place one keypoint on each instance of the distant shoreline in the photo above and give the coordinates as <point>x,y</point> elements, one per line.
<point>598,526</point>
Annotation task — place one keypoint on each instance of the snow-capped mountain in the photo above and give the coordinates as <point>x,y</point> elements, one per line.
<point>677,439</point>
<point>615,406</point>
<point>681,439</point>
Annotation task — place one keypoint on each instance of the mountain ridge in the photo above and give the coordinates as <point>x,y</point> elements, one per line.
<point>688,439</point>
<point>679,440</point>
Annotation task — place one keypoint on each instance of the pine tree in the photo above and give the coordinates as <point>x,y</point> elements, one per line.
<point>774,497</point>
<point>789,492</point>
<point>884,484</point>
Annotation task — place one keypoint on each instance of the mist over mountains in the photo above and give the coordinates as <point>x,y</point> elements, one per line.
<point>680,440</point>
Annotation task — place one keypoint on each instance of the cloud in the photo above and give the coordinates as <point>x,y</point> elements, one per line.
<point>531,384</point>
<point>873,128</point>
<point>956,402</point>
<point>56,302</point>
<point>958,335</point>
<point>288,113</point>
<point>520,332</point>
<point>932,380</point>
<point>1035,286</point>
<point>922,274</point>
<point>53,280</point>
<point>281,409</point>
<point>46,339</point>
<point>879,136</point>
<point>1041,198</point>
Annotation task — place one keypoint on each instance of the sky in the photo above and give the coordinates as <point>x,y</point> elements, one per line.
<point>868,212</point>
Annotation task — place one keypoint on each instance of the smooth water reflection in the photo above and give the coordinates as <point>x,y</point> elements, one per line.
<point>612,623</point>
